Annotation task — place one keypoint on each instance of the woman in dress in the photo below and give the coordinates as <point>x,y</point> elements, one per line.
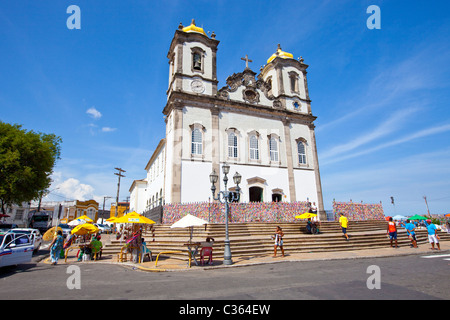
<point>278,241</point>
<point>56,247</point>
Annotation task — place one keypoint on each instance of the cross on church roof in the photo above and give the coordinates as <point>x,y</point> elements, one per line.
<point>247,60</point>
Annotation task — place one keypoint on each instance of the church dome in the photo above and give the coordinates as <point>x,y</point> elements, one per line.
<point>193,28</point>
<point>281,54</point>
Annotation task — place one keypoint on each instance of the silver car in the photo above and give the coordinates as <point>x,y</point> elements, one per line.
<point>15,248</point>
<point>35,236</point>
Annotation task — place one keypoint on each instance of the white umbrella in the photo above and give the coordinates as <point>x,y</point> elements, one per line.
<point>76,222</point>
<point>189,221</point>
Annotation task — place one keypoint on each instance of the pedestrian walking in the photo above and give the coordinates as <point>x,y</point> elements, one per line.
<point>392,232</point>
<point>56,246</point>
<point>410,230</point>
<point>343,221</point>
<point>314,208</point>
<point>433,238</point>
<point>278,237</point>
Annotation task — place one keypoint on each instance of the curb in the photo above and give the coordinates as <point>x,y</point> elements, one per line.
<point>45,259</point>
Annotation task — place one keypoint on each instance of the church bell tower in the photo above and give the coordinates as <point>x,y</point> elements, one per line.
<point>192,59</point>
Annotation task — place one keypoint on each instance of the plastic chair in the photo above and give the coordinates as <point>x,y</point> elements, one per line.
<point>206,252</point>
<point>146,252</point>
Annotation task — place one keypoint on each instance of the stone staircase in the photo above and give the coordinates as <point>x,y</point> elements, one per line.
<point>254,239</point>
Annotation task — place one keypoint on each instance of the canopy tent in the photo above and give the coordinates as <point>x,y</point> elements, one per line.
<point>417,217</point>
<point>76,222</point>
<point>132,217</point>
<point>399,217</point>
<point>50,233</point>
<point>306,215</point>
<point>189,221</point>
<point>84,229</point>
<point>86,218</point>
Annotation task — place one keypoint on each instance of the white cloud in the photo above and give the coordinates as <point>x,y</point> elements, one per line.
<point>413,136</point>
<point>407,179</point>
<point>108,129</point>
<point>74,190</point>
<point>94,113</point>
<point>388,126</point>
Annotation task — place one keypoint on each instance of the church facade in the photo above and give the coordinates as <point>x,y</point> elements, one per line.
<point>260,124</point>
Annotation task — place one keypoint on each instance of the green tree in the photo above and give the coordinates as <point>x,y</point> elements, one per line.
<point>27,159</point>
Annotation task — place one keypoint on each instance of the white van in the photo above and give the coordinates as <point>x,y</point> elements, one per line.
<point>15,248</point>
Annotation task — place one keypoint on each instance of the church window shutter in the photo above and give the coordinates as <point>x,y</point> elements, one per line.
<point>293,77</point>
<point>301,152</point>
<point>196,142</point>
<point>254,150</point>
<point>273,146</point>
<point>232,146</point>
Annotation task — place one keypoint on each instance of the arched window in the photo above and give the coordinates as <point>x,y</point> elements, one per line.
<point>232,145</point>
<point>197,61</point>
<point>254,150</point>
<point>293,78</point>
<point>196,141</point>
<point>273,146</point>
<point>197,64</point>
<point>301,152</point>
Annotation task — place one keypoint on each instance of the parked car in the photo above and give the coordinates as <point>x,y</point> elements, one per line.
<point>66,229</point>
<point>35,234</point>
<point>5,227</point>
<point>103,228</point>
<point>15,248</point>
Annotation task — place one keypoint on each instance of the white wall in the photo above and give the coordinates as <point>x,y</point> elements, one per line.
<point>305,185</point>
<point>195,185</point>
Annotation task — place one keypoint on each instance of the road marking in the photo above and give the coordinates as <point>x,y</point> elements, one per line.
<point>437,256</point>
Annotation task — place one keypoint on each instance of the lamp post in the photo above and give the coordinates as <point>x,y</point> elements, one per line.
<point>226,197</point>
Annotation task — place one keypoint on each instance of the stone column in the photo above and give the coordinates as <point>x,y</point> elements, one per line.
<point>215,142</point>
<point>289,160</point>
<point>320,208</point>
<point>177,152</point>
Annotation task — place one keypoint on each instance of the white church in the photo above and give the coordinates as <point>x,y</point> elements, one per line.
<point>259,124</point>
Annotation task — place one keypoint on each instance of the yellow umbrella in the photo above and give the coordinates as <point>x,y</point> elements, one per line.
<point>85,218</point>
<point>306,215</point>
<point>112,219</point>
<point>50,233</point>
<point>134,217</point>
<point>83,229</point>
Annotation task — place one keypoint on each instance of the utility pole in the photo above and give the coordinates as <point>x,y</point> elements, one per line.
<point>118,188</point>
<point>104,198</point>
<point>428,210</point>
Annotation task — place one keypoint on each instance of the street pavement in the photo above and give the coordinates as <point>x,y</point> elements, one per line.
<point>403,273</point>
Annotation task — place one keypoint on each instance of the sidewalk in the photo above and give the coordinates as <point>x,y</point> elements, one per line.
<point>165,263</point>
<point>178,265</point>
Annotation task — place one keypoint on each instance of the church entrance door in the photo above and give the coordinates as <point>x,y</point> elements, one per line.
<point>256,194</point>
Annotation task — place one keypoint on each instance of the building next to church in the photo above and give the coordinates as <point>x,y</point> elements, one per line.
<point>260,124</point>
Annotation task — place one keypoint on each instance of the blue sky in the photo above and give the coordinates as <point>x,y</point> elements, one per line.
<point>381,96</point>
